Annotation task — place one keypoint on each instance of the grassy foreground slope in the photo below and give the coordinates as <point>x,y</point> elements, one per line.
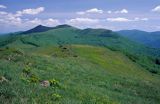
<point>81,74</point>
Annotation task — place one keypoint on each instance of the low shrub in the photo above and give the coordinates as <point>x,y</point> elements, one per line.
<point>54,83</point>
<point>27,70</point>
<point>56,97</point>
<point>34,79</point>
<point>157,61</point>
<point>30,77</point>
<point>132,57</point>
<point>153,71</point>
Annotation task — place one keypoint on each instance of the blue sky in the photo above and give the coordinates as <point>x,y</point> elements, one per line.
<point>20,15</point>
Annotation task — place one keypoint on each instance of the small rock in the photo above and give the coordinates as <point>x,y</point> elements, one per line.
<point>45,83</point>
<point>9,59</point>
<point>3,79</point>
<point>29,64</point>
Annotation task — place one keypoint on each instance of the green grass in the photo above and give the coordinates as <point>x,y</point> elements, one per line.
<point>95,76</point>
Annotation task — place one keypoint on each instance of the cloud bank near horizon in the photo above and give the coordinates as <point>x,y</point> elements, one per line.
<point>93,17</point>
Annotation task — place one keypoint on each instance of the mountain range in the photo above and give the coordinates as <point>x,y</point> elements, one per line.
<point>68,65</point>
<point>150,39</point>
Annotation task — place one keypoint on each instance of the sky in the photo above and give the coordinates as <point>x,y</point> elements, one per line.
<point>21,15</point>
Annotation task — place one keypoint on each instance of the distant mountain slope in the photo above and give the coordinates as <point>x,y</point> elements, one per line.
<point>41,28</point>
<point>65,34</point>
<point>151,39</point>
<point>68,35</point>
<point>38,28</point>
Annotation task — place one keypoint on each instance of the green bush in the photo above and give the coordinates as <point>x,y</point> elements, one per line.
<point>134,58</point>
<point>30,77</point>
<point>27,70</point>
<point>157,61</point>
<point>34,79</point>
<point>54,83</point>
<point>56,97</point>
<point>154,71</point>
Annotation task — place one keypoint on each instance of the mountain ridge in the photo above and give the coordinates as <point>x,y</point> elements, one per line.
<point>42,28</point>
<point>39,28</point>
<point>151,39</point>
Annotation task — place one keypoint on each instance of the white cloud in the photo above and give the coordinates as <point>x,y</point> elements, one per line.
<point>3,6</point>
<point>47,22</point>
<point>144,19</point>
<point>120,19</point>
<point>10,19</point>
<point>136,19</point>
<point>99,11</point>
<point>51,22</point>
<point>16,20</point>
<point>30,11</point>
<point>3,13</point>
<point>93,10</point>
<point>82,22</point>
<point>35,21</point>
<point>80,13</point>
<point>20,13</point>
<point>109,12</point>
<point>156,9</point>
<point>123,11</point>
<point>78,21</point>
<point>140,19</point>
<point>157,27</point>
<point>104,26</point>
